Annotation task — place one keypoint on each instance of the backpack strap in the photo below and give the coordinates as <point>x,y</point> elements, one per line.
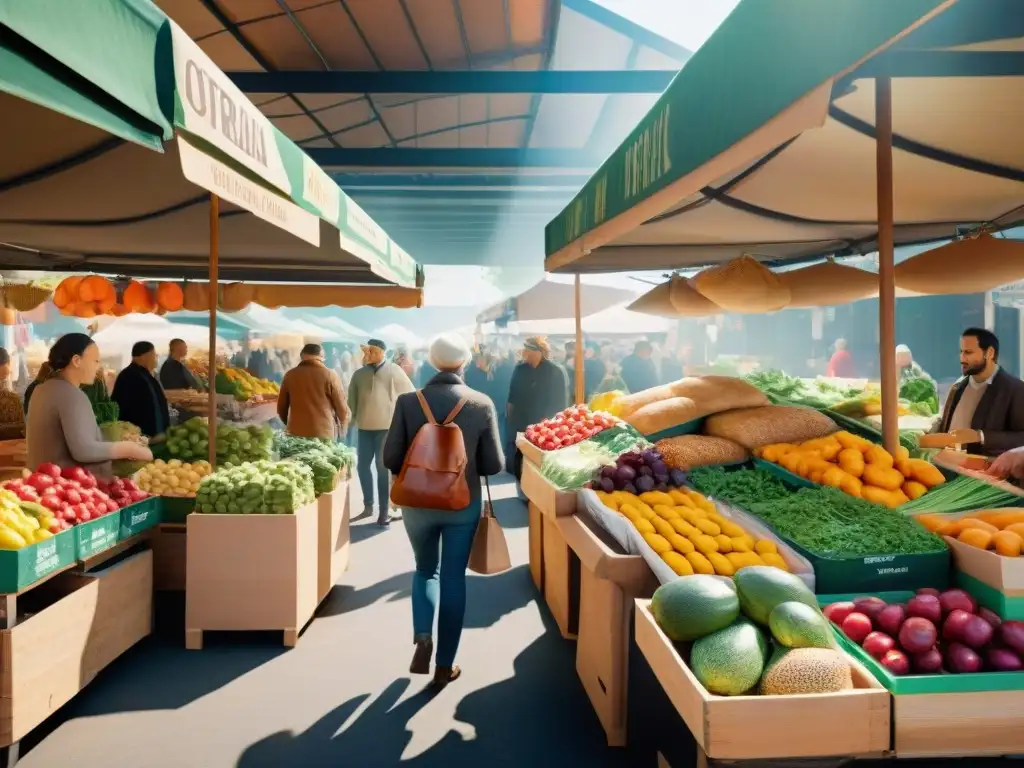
<point>455,411</point>
<point>426,408</point>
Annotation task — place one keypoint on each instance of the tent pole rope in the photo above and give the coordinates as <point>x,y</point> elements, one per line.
<point>211,373</point>
<point>886,269</point>
<point>578,387</point>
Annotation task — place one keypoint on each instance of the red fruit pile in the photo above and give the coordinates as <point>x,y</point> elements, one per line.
<point>72,495</point>
<point>567,428</point>
<point>931,633</point>
<point>122,491</point>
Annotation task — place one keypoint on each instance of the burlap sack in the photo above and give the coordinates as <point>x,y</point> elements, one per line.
<point>828,284</point>
<point>742,285</point>
<point>754,427</point>
<point>676,298</point>
<point>973,265</point>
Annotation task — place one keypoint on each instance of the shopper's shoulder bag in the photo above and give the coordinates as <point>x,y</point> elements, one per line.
<point>433,474</point>
<point>490,550</point>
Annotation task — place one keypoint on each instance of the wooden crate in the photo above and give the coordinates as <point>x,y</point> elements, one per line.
<point>561,577</point>
<point>549,499</point>
<point>531,453</point>
<point>958,724</point>
<point>1003,573</point>
<point>251,572</point>
<point>854,723</point>
<point>84,622</point>
<point>334,541</point>
<point>609,583</point>
<point>536,531</point>
<point>169,555</point>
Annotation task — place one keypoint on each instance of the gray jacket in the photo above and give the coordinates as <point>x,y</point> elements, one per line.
<point>478,421</point>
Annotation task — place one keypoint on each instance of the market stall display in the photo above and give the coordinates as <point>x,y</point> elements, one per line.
<point>174,478</point>
<point>235,444</point>
<point>256,488</point>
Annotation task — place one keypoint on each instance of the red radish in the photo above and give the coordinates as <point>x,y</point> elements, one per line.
<point>928,591</point>
<point>925,607</point>
<point>960,658</point>
<point>857,627</point>
<point>1012,633</point>
<point>878,644</point>
<point>1003,660</point>
<point>991,617</point>
<point>869,606</point>
<point>977,633</point>
<point>838,611</point>
<point>49,469</point>
<point>891,618</point>
<point>955,625</point>
<point>917,635</point>
<point>40,481</point>
<point>929,662</point>
<point>952,599</point>
<point>896,663</point>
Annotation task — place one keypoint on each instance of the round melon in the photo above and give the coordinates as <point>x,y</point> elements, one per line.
<point>796,625</point>
<point>807,670</point>
<point>694,606</point>
<point>729,662</point>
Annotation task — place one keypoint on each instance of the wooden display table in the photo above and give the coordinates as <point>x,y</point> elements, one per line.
<point>536,533</point>
<point>561,575</point>
<point>610,581</point>
<point>170,551</point>
<point>73,625</point>
<point>251,572</point>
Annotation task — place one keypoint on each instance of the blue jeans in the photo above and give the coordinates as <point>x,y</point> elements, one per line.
<point>370,451</point>
<point>441,543</point>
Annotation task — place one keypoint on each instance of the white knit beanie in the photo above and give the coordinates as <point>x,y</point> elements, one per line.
<point>449,352</point>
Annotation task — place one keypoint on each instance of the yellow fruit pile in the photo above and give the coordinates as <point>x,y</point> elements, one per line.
<point>998,530</point>
<point>858,467</point>
<point>689,533</point>
<point>172,478</point>
<point>250,384</point>
<point>19,529</point>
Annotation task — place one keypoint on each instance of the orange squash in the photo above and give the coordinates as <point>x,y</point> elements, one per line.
<point>170,296</point>
<point>67,292</point>
<point>136,298</point>
<point>95,288</point>
<point>85,309</point>
<point>104,305</point>
<point>118,310</point>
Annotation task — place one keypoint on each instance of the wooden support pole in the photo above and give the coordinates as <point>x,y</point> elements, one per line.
<point>886,271</point>
<point>211,373</point>
<point>579,387</point>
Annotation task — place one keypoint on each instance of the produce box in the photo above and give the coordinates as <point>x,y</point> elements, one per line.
<point>175,508</point>
<point>20,568</point>
<point>531,452</point>
<point>851,723</point>
<point>930,711</point>
<point>547,497</point>
<point>169,553</point>
<point>1007,603</point>
<point>689,428</point>
<point>251,572</point>
<point>141,516</point>
<point>97,535</point>
<point>609,582</point>
<point>334,542</point>
<point>78,625</point>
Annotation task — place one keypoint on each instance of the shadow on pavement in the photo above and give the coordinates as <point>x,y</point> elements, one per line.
<point>344,598</point>
<point>540,718</point>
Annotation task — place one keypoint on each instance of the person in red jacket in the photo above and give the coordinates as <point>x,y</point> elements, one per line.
<point>840,366</point>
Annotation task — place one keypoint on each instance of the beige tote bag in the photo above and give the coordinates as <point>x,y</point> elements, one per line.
<point>490,550</point>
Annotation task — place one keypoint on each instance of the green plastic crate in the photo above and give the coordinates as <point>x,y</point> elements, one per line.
<point>783,474</point>
<point>1007,606</point>
<point>176,509</point>
<point>20,568</point>
<point>689,428</point>
<point>976,682</point>
<point>869,574</point>
<point>141,516</point>
<point>97,535</point>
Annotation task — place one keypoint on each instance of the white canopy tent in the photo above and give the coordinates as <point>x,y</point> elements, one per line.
<point>614,321</point>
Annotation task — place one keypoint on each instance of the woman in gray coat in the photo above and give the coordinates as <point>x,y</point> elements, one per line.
<point>442,540</point>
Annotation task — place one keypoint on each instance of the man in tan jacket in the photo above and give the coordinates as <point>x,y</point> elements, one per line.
<point>312,401</point>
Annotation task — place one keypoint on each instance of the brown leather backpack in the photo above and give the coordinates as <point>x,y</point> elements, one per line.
<point>433,474</point>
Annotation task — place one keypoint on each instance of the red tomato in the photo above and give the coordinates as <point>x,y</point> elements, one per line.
<point>49,469</point>
<point>549,445</point>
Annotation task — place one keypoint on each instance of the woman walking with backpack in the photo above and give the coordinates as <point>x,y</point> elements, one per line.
<point>442,440</point>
